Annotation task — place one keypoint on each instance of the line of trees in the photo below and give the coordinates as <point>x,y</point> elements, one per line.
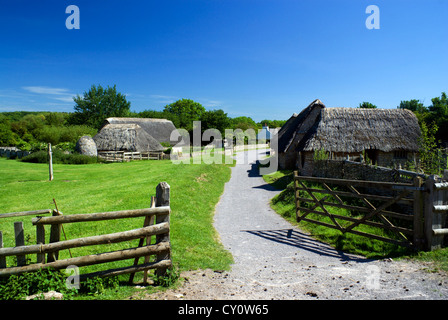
<point>33,130</point>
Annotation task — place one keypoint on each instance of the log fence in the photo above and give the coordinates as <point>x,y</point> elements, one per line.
<point>156,224</point>
<point>121,156</point>
<point>411,214</point>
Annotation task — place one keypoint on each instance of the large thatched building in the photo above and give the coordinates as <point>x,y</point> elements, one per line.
<point>159,129</point>
<point>385,136</point>
<point>126,137</point>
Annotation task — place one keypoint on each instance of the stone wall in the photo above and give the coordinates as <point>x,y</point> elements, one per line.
<point>359,171</point>
<point>12,152</point>
<point>351,170</point>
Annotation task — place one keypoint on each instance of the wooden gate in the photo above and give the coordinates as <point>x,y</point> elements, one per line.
<point>385,205</point>
<point>411,215</point>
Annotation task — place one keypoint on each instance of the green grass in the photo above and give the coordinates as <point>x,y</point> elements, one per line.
<point>284,204</point>
<point>195,191</point>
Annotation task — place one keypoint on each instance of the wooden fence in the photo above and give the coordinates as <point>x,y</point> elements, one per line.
<point>156,223</point>
<point>412,215</point>
<point>121,156</point>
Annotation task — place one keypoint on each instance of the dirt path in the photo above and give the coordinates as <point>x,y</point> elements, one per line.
<point>275,260</point>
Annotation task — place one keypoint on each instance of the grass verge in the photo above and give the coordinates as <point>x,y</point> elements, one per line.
<point>195,191</point>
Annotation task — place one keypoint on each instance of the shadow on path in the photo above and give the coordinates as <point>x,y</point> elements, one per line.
<point>300,240</point>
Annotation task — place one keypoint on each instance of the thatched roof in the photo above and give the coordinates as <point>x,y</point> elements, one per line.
<point>125,137</point>
<point>297,126</point>
<point>159,129</point>
<point>352,130</point>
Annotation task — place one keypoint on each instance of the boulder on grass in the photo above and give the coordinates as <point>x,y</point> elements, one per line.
<point>86,146</point>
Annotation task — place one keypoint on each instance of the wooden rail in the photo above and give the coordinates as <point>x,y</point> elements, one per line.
<point>26,213</point>
<point>121,156</point>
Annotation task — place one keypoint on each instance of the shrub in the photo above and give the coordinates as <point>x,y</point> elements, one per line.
<point>60,157</point>
<point>17,287</point>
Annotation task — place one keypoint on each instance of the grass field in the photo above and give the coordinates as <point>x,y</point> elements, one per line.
<point>195,191</point>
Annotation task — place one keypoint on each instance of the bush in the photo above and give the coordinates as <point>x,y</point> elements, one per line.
<point>17,287</point>
<point>59,157</point>
<point>57,135</point>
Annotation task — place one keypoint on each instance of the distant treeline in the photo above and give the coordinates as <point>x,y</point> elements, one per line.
<point>34,130</point>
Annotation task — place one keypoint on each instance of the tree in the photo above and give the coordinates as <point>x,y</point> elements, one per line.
<point>367,105</point>
<point>184,112</point>
<point>271,123</point>
<point>215,119</point>
<point>431,159</point>
<point>438,113</point>
<point>244,123</point>
<point>416,107</point>
<point>7,136</point>
<point>98,104</point>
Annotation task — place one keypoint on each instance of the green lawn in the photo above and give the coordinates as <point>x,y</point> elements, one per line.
<point>195,191</point>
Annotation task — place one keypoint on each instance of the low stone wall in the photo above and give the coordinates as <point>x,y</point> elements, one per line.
<point>351,170</point>
<point>13,152</point>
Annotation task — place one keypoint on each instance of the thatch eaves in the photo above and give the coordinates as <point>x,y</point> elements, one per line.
<point>126,137</point>
<point>355,129</point>
<point>297,126</point>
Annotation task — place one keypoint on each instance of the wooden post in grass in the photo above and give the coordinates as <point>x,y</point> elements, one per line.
<point>50,161</point>
<point>55,235</point>
<point>149,221</point>
<point>20,241</point>
<point>2,259</point>
<point>419,209</point>
<point>40,239</point>
<point>162,199</point>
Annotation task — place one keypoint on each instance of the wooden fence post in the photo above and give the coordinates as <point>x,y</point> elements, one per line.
<point>162,199</point>
<point>429,201</point>
<point>55,235</point>
<point>50,161</point>
<point>434,219</point>
<point>419,226</point>
<point>296,195</point>
<point>20,241</point>
<point>40,239</point>
<point>2,259</point>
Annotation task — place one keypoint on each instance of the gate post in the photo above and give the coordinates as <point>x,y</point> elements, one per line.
<point>162,199</point>
<point>297,204</point>
<point>419,226</point>
<point>434,219</point>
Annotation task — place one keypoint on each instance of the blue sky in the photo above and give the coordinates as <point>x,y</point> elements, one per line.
<point>260,58</point>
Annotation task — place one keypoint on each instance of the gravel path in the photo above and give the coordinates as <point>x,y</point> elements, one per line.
<point>276,260</point>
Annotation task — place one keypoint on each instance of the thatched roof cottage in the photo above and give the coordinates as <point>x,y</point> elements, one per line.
<point>159,129</point>
<point>385,136</point>
<point>126,137</point>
